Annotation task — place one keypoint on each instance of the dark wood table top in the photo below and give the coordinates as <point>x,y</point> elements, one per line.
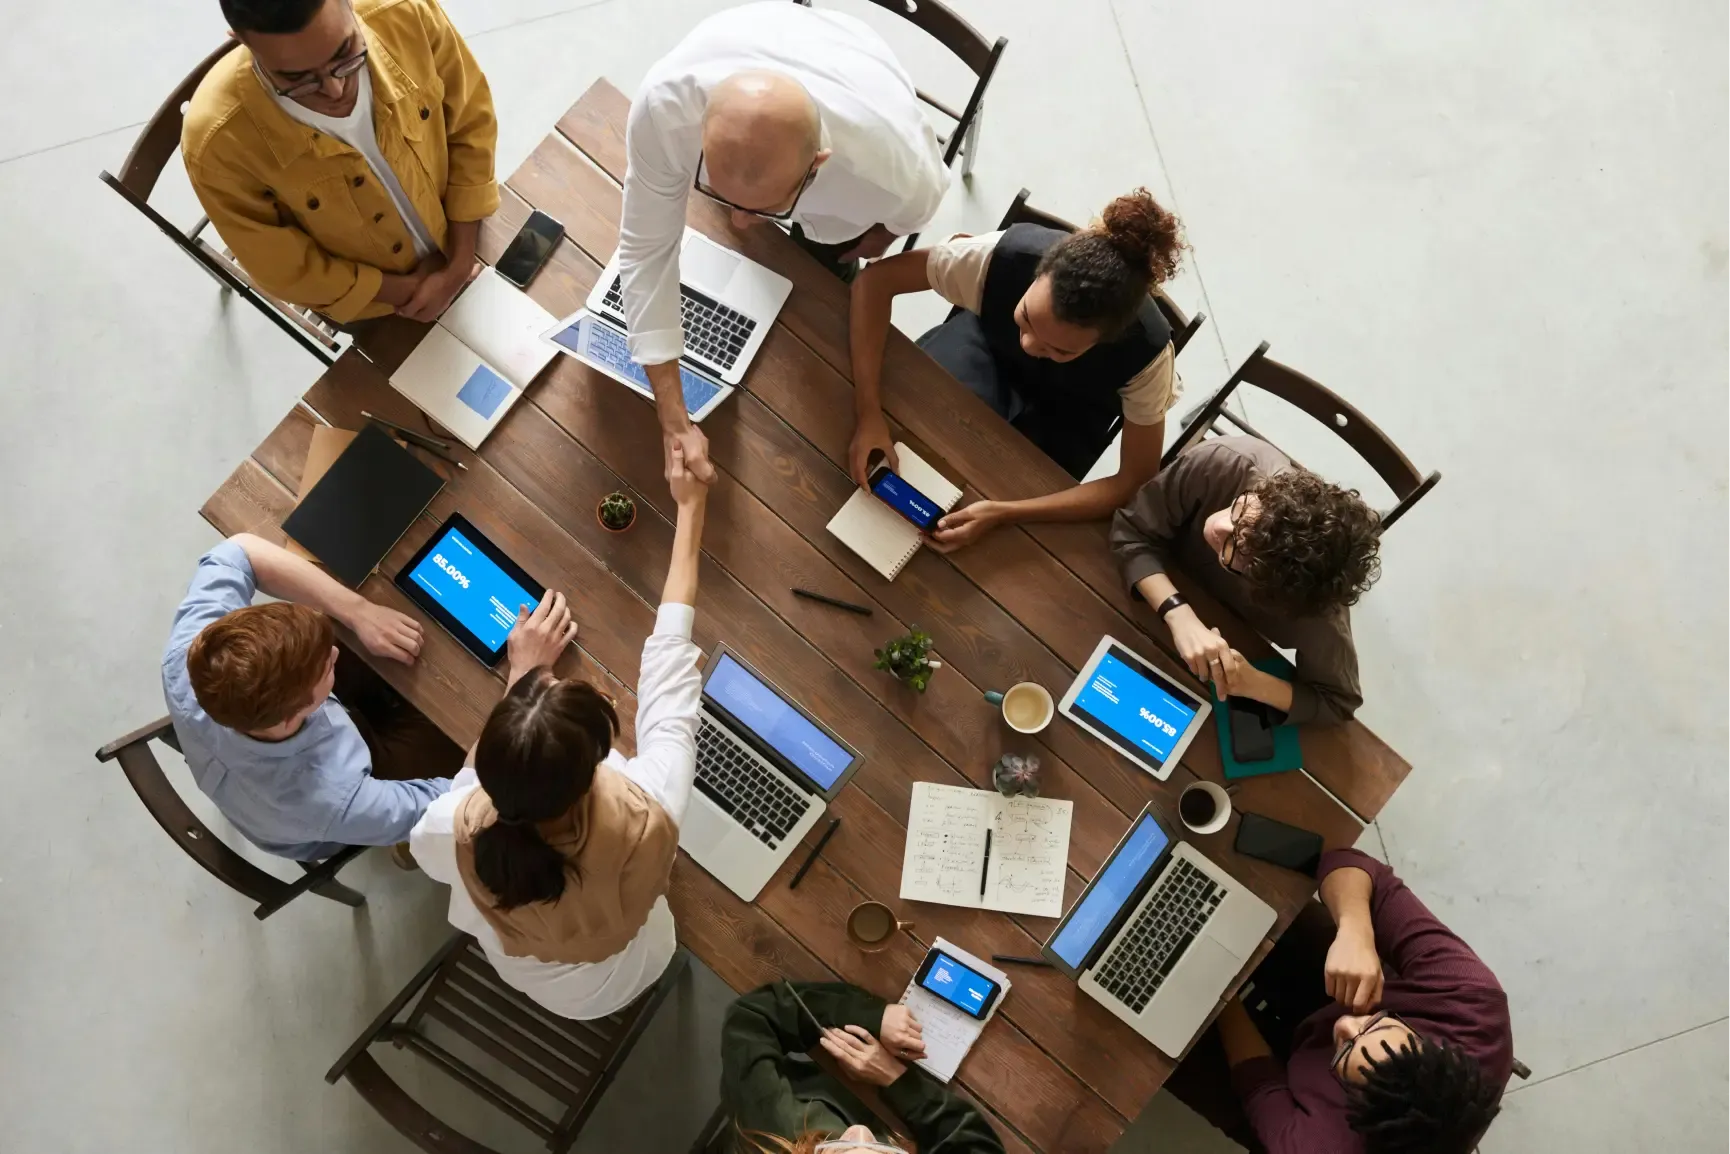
<point>1054,1071</point>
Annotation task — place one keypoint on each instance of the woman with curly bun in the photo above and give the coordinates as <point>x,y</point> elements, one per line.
<point>1290,552</point>
<point>1055,331</point>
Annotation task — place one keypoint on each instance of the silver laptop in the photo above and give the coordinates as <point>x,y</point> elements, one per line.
<point>728,301</point>
<point>766,771</point>
<point>1158,934</point>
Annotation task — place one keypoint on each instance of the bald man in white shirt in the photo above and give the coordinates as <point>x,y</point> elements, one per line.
<point>781,113</point>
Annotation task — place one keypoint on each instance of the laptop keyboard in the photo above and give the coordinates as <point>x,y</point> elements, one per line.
<point>1181,904</point>
<point>737,782</point>
<point>712,330</point>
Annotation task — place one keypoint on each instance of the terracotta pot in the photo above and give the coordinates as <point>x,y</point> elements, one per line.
<point>601,521</point>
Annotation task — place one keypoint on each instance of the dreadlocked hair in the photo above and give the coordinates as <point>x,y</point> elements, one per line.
<point>1428,1099</point>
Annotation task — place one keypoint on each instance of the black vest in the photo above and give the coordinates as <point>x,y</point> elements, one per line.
<point>1069,408</point>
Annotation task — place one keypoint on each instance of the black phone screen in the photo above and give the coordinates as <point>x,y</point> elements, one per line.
<point>893,490</point>
<point>530,248</point>
<point>1251,732</point>
<point>966,989</point>
<point>1279,843</point>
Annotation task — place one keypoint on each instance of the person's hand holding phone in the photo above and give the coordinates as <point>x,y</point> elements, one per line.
<point>871,438</point>
<point>861,1056</point>
<point>964,526</point>
<point>901,1032</point>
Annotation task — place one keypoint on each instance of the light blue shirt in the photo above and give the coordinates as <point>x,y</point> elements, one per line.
<point>304,797</point>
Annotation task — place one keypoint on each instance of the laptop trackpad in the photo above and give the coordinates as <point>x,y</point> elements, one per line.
<point>1190,993</point>
<point>707,266</point>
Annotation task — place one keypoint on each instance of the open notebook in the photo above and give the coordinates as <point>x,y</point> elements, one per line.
<point>878,533</point>
<point>977,848</point>
<point>948,1032</point>
<point>471,367</point>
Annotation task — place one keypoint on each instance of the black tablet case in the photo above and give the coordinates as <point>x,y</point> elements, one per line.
<point>362,505</point>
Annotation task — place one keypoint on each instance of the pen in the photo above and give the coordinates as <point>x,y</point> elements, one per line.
<point>810,858</point>
<point>1017,959</point>
<point>985,866</point>
<point>862,610</point>
<point>408,434</point>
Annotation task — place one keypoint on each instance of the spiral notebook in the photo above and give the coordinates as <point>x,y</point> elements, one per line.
<point>878,533</point>
<point>949,1033</point>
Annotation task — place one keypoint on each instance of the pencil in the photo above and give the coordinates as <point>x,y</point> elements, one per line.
<point>862,610</point>
<point>811,858</point>
<point>409,434</point>
<point>1017,959</point>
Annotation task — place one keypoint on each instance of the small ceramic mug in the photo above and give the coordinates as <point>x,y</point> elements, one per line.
<point>1027,706</point>
<point>871,925</point>
<point>1204,807</point>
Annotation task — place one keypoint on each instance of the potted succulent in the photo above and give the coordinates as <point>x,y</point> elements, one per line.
<point>616,512</point>
<point>909,658</point>
<point>1016,773</point>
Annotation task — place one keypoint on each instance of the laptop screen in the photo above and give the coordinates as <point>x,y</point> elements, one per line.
<point>776,723</point>
<point>1116,886</point>
<point>1131,700</point>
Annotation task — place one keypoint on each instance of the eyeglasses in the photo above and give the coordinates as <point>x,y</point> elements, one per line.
<point>701,186</point>
<point>1228,550</point>
<point>874,1147</point>
<point>1376,1022</point>
<point>341,70</point>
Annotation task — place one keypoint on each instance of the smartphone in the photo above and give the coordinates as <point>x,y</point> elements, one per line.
<point>1279,843</point>
<point>894,491</point>
<point>967,990</point>
<point>1251,731</point>
<point>530,248</point>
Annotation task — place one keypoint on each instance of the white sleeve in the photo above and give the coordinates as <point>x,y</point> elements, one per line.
<point>669,694</point>
<point>651,226</point>
<point>432,839</point>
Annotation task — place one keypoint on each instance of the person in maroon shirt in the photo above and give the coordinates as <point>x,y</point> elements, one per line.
<point>1408,1053</point>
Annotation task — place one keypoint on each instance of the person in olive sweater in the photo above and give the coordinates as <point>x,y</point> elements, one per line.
<point>783,1102</point>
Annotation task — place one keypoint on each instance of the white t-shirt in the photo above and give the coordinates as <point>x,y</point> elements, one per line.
<point>356,130</point>
<point>669,694</point>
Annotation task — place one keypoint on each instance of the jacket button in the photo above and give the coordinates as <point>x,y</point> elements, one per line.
<point>397,247</point>
<point>269,194</point>
<point>424,113</point>
<point>377,216</point>
<point>312,202</point>
<point>359,180</point>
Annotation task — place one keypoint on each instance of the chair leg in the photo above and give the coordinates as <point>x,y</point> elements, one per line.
<point>337,892</point>
<point>970,144</point>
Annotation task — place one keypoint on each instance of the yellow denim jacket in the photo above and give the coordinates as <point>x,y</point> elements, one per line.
<point>303,213</point>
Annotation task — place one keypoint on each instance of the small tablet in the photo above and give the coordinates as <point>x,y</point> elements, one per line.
<point>1124,701</point>
<point>468,585</point>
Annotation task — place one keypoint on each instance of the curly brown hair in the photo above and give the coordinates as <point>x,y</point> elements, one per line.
<point>1101,275</point>
<point>1312,546</point>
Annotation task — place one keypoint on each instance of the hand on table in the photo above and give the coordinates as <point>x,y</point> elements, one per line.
<point>870,435</point>
<point>964,526</point>
<point>1353,970</point>
<point>872,245</point>
<point>387,633</point>
<point>687,488</point>
<point>861,1056</point>
<point>901,1032</point>
<point>539,637</point>
<point>437,290</point>
<point>695,446</point>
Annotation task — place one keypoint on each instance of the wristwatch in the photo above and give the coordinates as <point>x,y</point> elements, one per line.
<point>1169,604</point>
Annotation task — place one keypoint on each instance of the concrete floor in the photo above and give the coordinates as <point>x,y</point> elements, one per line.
<point>1499,229</point>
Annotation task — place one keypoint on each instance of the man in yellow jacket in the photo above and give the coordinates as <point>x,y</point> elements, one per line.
<point>345,153</point>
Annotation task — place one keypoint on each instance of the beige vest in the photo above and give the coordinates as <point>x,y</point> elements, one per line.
<point>618,845</point>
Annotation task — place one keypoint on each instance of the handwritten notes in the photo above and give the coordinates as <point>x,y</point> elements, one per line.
<point>946,856</point>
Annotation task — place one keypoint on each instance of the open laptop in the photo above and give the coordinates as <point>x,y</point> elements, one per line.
<point>728,302</point>
<point>1158,934</point>
<point>766,771</point>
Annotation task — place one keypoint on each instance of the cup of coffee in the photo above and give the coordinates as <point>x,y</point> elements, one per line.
<point>1027,707</point>
<point>1204,807</point>
<point>871,925</point>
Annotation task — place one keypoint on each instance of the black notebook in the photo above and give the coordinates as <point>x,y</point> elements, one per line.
<point>362,505</point>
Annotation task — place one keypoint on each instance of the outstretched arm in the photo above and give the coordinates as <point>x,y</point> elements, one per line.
<point>873,297</point>
<point>384,632</point>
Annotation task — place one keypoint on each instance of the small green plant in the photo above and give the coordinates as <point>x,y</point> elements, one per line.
<point>617,511</point>
<point>909,658</point>
<point>1015,774</point>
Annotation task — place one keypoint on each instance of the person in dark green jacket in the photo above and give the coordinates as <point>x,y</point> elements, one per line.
<point>782,1102</point>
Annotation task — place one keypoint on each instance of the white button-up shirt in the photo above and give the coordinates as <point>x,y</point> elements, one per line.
<point>887,167</point>
<point>669,693</point>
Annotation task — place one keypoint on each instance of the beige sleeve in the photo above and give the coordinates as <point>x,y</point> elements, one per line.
<point>956,268</point>
<point>1150,392</point>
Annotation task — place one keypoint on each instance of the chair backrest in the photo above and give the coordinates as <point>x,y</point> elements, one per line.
<point>572,1062</point>
<point>1182,327</point>
<point>161,136</point>
<point>1329,409</point>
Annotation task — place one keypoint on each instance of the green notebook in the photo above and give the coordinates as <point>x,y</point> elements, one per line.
<point>1286,753</point>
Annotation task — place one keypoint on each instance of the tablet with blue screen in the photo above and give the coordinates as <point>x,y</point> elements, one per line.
<point>1124,701</point>
<point>468,585</point>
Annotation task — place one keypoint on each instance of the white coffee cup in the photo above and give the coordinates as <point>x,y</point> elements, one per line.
<point>1214,795</point>
<point>1027,706</point>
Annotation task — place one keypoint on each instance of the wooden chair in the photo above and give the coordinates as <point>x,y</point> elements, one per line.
<point>712,1138</point>
<point>1331,410</point>
<point>1182,328</point>
<point>193,836</point>
<point>937,20</point>
<point>137,180</point>
<point>571,1062</point>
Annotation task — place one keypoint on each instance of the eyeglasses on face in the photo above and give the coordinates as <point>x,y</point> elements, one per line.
<point>702,186</point>
<point>1228,550</point>
<point>1376,1022</point>
<point>340,70</point>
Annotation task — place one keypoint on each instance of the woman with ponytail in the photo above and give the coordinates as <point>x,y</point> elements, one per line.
<point>558,850</point>
<point>1057,332</point>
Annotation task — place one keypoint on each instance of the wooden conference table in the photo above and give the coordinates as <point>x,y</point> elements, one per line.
<point>1055,1071</point>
